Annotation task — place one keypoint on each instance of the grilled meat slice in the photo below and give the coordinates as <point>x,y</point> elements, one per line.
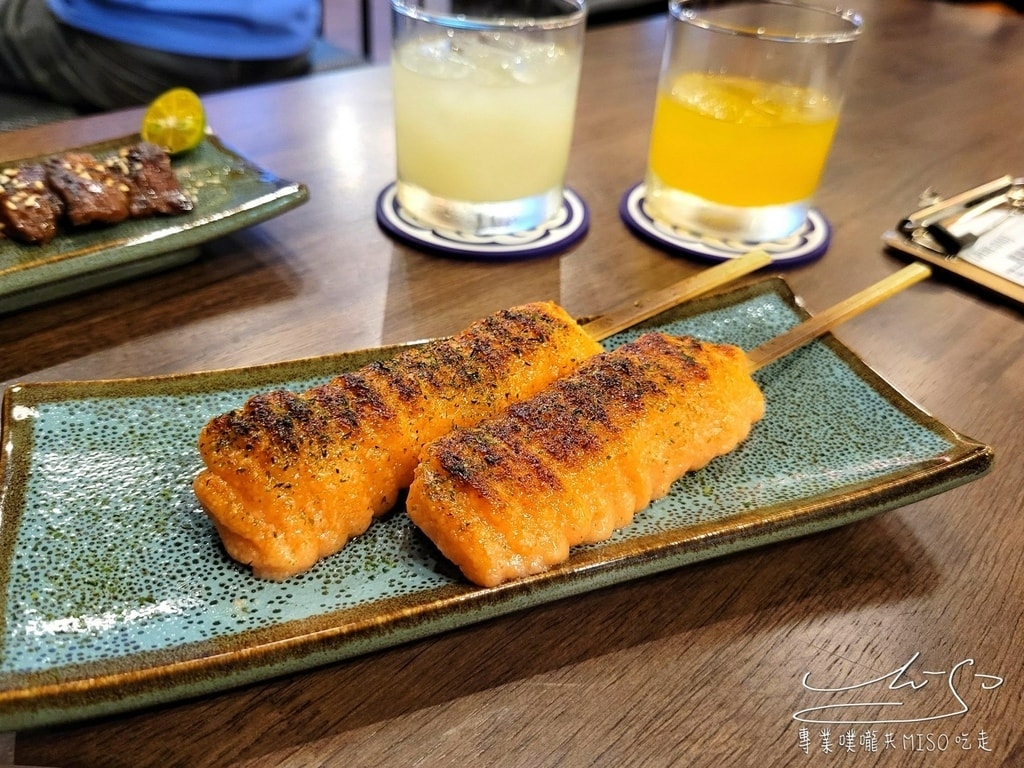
<point>29,211</point>
<point>90,192</point>
<point>290,478</point>
<point>152,186</point>
<point>509,497</point>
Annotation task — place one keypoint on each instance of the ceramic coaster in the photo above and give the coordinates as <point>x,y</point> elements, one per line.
<point>806,244</point>
<point>568,226</point>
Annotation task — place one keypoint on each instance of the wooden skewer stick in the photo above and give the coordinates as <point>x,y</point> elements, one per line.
<point>825,321</point>
<point>630,313</point>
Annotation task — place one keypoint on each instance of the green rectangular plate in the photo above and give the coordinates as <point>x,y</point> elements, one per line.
<point>117,594</point>
<point>229,193</point>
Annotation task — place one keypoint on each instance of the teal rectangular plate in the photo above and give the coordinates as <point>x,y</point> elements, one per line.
<point>117,594</point>
<point>229,193</point>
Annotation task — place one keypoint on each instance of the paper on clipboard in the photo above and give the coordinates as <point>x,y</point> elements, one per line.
<point>1000,249</point>
<point>977,235</point>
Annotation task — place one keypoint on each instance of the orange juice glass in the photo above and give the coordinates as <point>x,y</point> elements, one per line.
<point>747,105</point>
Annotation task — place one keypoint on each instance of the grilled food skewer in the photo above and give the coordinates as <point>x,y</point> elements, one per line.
<point>509,497</point>
<point>291,478</point>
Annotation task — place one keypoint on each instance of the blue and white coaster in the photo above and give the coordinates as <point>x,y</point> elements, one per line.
<point>806,244</point>
<point>555,235</point>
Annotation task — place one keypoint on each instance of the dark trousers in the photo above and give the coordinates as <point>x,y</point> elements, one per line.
<point>41,56</point>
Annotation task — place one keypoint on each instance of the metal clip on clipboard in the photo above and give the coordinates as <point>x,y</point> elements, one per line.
<point>959,234</point>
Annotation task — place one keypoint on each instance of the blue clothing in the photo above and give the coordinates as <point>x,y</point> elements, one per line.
<point>226,29</point>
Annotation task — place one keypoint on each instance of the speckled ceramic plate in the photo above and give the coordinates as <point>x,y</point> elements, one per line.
<point>229,193</point>
<point>117,594</point>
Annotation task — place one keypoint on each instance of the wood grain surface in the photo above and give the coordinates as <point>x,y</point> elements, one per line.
<point>701,666</point>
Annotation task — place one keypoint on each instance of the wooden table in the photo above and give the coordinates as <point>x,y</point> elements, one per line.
<point>698,666</point>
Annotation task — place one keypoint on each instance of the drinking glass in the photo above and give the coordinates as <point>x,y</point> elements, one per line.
<point>748,100</point>
<point>484,99</point>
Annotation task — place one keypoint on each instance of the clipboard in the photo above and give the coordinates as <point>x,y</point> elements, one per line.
<point>977,235</point>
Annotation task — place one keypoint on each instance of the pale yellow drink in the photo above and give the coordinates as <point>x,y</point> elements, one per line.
<point>483,120</point>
